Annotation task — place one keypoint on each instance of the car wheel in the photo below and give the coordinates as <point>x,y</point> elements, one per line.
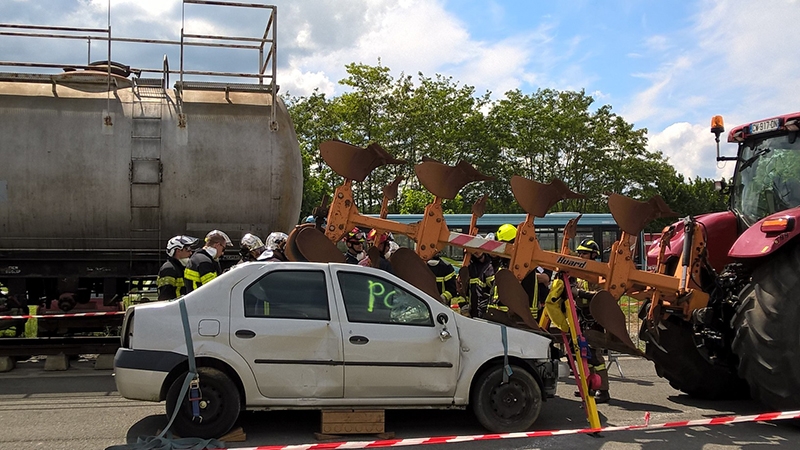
<point>506,407</point>
<point>219,405</point>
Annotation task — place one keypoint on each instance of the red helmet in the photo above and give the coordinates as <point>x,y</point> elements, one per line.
<point>385,236</point>
<point>354,236</point>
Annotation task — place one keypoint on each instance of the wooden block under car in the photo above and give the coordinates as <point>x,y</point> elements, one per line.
<point>344,421</point>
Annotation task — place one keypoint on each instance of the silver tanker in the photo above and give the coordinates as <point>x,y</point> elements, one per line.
<point>101,163</point>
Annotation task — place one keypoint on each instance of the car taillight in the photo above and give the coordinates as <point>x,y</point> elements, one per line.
<point>779,225</point>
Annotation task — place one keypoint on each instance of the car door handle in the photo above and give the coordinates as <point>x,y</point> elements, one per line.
<point>359,340</point>
<point>245,334</point>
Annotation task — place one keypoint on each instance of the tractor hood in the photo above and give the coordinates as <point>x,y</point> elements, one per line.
<point>720,231</point>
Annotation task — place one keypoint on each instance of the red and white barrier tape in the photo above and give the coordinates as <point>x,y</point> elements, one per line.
<point>61,316</point>
<point>476,243</point>
<point>529,434</point>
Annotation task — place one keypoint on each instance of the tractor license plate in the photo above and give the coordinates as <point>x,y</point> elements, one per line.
<point>764,126</point>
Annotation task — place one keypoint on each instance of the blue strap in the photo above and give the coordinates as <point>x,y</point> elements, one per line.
<point>507,372</point>
<point>165,441</point>
<point>192,375</point>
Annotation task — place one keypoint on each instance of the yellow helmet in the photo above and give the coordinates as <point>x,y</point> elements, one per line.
<point>506,232</point>
<point>588,245</point>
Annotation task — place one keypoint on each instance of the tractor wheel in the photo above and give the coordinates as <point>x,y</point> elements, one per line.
<point>687,370</point>
<point>768,339</point>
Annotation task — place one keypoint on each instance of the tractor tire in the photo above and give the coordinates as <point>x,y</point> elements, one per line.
<point>768,338</point>
<point>687,370</point>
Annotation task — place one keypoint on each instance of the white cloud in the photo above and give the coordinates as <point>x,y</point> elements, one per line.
<point>691,150</point>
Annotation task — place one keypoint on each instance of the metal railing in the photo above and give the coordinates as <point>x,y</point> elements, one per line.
<point>265,45</point>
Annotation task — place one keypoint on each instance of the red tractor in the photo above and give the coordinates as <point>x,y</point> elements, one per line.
<point>748,333</point>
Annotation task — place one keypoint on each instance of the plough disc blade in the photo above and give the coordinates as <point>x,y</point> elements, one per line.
<point>355,163</point>
<point>463,281</point>
<point>390,190</point>
<point>374,256</point>
<point>312,245</point>
<point>632,215</point>
<point>512,295</point>
<point>537,198</point>
<point>606,312</point>
<point>292,252</point>
<point>598,339</point>
<point>446,181</point>
<point>479,207</point>
<point>408,266</point>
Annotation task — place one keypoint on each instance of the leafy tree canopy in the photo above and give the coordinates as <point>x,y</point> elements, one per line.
<point>542,135</point>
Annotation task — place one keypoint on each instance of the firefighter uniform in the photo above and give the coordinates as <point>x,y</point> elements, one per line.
<point>170,280</point>
<point>481,285</point>
<point>201,269</point>
<point>445,281</point>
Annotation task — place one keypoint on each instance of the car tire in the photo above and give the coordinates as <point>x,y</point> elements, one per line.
<point>506,407</point>
<point>219,407</point>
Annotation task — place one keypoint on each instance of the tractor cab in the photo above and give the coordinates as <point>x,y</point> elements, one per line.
<point>767,176</point>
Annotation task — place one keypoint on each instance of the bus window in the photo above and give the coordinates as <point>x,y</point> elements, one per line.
<point>547,239</point>
<point>609,237</point>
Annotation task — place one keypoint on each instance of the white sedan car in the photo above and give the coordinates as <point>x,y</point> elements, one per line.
<point>299,335</point>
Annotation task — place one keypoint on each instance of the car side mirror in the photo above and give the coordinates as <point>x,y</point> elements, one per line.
<point>442,318</point>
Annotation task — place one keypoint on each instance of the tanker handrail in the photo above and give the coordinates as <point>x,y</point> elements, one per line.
<point>266,45</point>
<point>269,39</point>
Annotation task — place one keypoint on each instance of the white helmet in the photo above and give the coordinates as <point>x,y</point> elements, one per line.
<point>219,237</point>
<point>251,242</point>
<point>179,242</point>
<point>276,240</point>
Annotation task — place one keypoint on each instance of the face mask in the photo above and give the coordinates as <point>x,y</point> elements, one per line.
<point>361,255</point>
<point>184,261</point>
<point>212,251</point>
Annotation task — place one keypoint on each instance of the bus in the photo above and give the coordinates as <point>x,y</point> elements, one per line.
<point>602,228</point>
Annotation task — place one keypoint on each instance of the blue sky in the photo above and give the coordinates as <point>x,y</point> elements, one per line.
<point>667,66</point>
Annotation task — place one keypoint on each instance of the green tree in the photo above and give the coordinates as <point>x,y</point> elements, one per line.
<point>543,135</point>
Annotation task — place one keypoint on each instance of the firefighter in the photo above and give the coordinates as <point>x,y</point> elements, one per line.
<point>275,247</point>
<point>204,263</point>
<point>588,249</point>
<point>445,281</point>
<point>536,283</point>
<point>381,242</point>
<point>481,283</point>
<point>170,276</point>
<point>354,241</point>
<point>251,247</point>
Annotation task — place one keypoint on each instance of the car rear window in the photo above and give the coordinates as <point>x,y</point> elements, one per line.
<point>288,294</point>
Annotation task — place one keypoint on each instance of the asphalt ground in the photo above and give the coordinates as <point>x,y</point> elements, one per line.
<point>80,409</point>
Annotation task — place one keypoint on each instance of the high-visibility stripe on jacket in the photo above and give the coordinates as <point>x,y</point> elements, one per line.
<point>445,276</point>
<point>170,280</point>
<point>201,269</point>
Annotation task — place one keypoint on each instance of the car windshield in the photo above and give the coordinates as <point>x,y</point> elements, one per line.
<point>767,178</point>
